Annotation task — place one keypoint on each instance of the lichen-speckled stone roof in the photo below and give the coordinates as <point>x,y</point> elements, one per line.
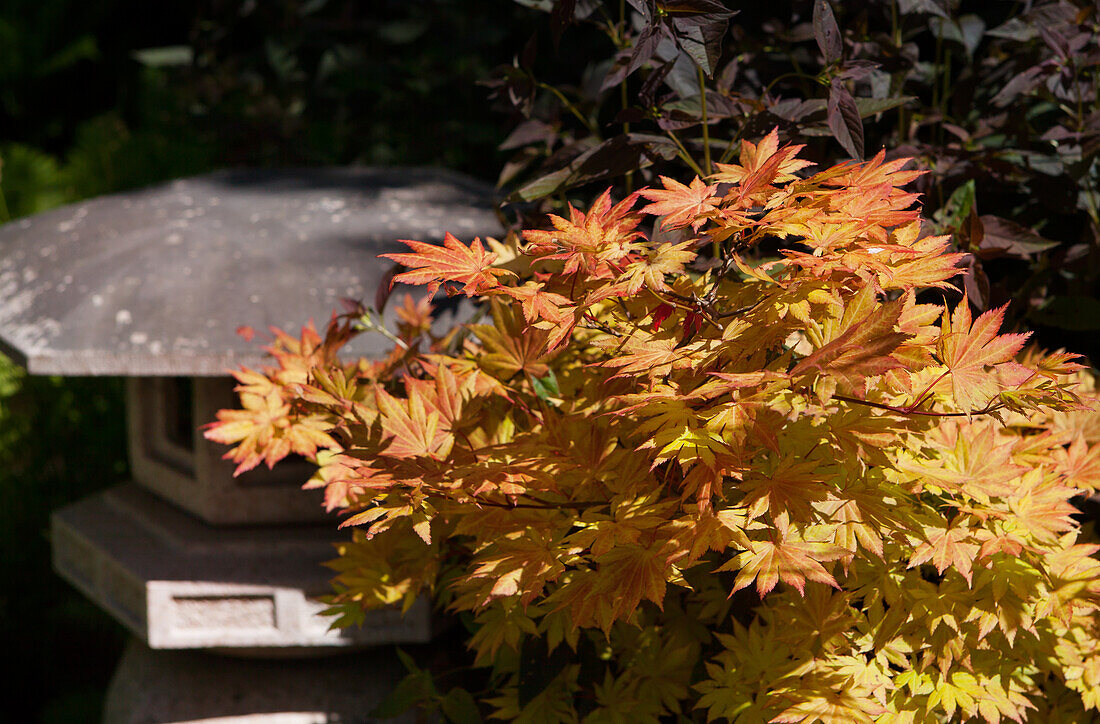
<point>157,281</point>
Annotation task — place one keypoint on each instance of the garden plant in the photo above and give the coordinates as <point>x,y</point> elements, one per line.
<point>742,438</point>
<point>673,471</point>
<point>996,101</point>
<point>570,458</point>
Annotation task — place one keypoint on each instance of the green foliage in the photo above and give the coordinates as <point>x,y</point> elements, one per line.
<point>60,440</point>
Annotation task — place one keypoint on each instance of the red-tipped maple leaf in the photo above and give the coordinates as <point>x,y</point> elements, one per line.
<point>413,428</point>
<point>470,266</point>
<point>791,561</point>
<point>761,165</point>
<point>968,350</point>
<point>681,205</point>
<point>946,547</point>
<point>862,351</point>
<point>264,431</point>
<point>590,242</point>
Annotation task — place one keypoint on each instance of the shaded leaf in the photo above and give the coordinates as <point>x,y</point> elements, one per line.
<point>611,158</point>
<point>844,120</point>
<point>1007,238</point>
<point>826,32</point>
<point>1075,313</point>
<point>459,707</point>
<point>701,41</point>
<point>928,7</point>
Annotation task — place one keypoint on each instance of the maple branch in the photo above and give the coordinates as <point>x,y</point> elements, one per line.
<point>366,323</point>
<point>542,504</point>
<point>593,323</point>
<point>578,504</point>
<point>689,304</point>
<point>571,108</point>
<point>684,155</point>
<point>988,409</point>
<point>625,309</point>
<point>927,392</point>
<point>712,293</point>
<point>732,312</point>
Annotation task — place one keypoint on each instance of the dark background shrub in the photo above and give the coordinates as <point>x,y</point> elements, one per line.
<point>101,97</point>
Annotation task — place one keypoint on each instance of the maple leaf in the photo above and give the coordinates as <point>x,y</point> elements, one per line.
<point>921,262</point>
<point>792,561</point>
<point>863,350</point>
<point>972,459</point>
<point>949,546</point>
<point>345,479</point>
<point>1040,506</point>
<point>413,430</point>
<point>517,565</point>
<point>642,353</point>
<point>414,317</point>
<point>454,262</point>
<point>681,205</point>
<point>830,707</point>
<point>507,354</point>
<point>1081,464</point>
<point>445,393</point>
<point>650,272</point>
<point>970,350</point>
<point>590,242</point>
<point>628,573</point>
<point>538,304</point>
<point>762,164</point>
<point>265,431</point>
<point>791,489</point>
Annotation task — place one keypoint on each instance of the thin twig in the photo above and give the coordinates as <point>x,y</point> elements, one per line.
<point>922,413</point>
<point>706,130</point>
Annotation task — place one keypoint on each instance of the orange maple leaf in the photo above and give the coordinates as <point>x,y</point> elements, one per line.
<point>413,428</point>
<point>650,271</point>
<point>470,266</point>
<point>947,547</point>
<point>762,165</point>
<point>538,304</point>
<point>414,317</point>
<point>681,205</point>
<point>968,350</point>
<point>590,242</point>
<point>791,561</point>
<point>862,351</point>
<point>265,431</point>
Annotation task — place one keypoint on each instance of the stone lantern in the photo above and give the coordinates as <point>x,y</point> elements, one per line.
<point>152,285</point>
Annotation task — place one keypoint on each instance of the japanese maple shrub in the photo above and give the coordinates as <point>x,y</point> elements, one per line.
<point>708,483</point>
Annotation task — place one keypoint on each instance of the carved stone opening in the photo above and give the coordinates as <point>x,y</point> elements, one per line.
<point>170,457</point>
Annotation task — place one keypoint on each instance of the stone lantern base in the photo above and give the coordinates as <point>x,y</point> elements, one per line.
<point>178,583</point>
<point>190,687</point>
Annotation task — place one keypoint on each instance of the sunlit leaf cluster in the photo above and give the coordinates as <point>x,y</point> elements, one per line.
<point>708,482</point>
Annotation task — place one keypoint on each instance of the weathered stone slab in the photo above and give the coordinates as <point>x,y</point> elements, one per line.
<point>185,687</point>
<point>180,584</point>
<point>157,281</point>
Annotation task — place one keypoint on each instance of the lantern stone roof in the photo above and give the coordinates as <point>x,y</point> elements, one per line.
<point>157,281</point>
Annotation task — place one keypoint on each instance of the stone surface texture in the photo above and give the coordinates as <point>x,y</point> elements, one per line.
<point>157,281</point>
<point>192,473</point>
<point>183,687</point>
<point>180,584</point>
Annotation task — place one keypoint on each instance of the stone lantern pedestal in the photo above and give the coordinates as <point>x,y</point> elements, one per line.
<point>197,564</point>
